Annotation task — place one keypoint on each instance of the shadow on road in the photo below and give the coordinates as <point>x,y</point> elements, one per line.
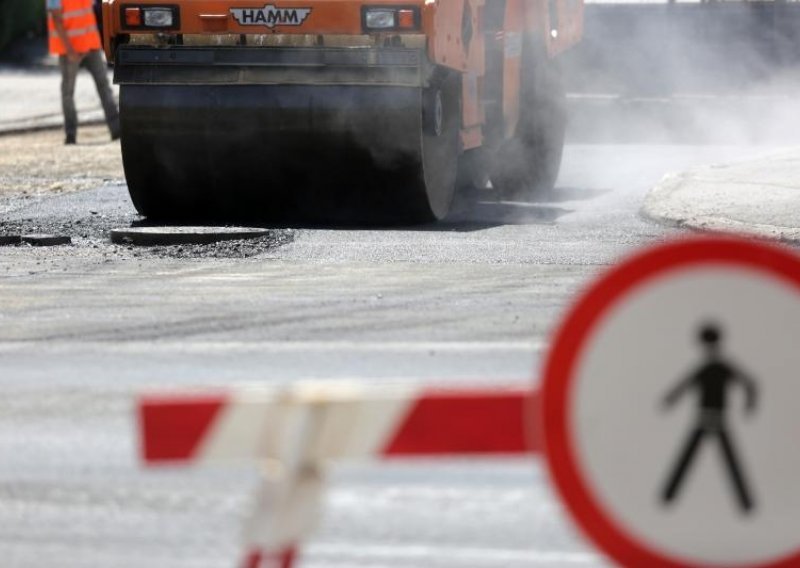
<point>472,211</point>
<point>487,214</point>
<point>477,210</point>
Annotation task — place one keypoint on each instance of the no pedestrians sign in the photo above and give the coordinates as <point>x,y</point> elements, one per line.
<point>672,407</point>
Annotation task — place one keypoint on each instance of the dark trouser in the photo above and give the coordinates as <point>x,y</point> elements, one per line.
<point>94,62</point>
<point>730,461</point>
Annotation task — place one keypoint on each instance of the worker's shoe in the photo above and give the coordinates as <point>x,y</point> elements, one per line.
<point>115,134</point>
<point>70,140</point>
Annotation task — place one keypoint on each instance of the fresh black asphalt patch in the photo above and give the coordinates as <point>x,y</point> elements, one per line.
<point>46,240</point>
<point>90,217</point>
<point>6,240</point>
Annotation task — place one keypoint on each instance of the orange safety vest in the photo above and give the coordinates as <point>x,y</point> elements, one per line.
<point>80,25</point>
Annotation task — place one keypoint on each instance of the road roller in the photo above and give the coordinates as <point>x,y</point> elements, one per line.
<point>334,111</point>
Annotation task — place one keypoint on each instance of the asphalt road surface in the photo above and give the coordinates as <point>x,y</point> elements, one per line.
<point>469,300</point>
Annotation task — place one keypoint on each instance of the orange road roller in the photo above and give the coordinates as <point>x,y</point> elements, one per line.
<point>327,111</point>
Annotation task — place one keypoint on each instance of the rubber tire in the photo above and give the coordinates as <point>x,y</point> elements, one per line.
<point>440,153</point>
<point>526,166</point>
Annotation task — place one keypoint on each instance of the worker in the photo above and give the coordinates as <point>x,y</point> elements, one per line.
<point>75,39</point>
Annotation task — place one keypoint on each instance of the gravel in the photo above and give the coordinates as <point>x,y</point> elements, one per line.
<point>47,188</point>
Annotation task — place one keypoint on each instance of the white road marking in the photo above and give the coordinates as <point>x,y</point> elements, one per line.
<point>277,346</point>
<point>455,555</point>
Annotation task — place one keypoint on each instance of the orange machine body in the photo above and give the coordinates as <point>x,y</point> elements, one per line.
<point>452,33</point>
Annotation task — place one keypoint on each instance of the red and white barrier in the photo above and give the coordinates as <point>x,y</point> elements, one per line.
<point>294,432</point>
<point>258,559</point>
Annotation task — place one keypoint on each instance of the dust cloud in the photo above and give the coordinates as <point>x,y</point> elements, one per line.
<point>723,73</point>
<point>687,73</point>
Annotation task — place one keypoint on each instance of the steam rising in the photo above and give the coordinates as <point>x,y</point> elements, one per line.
<point>720,72</point>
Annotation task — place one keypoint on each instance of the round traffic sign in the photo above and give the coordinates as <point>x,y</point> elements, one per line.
<point>671,407</point>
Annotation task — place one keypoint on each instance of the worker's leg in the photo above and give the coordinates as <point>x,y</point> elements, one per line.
<point>735,471</point>
<point>69,71</point>
<point>682,465</point>
<point>96,65</point>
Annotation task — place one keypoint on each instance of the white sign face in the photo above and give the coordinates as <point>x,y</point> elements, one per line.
<point>673,414</point>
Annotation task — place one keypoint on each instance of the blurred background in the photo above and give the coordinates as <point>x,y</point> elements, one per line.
<point>655,71</point>
<point>21,19</point>
<point>721,72</point>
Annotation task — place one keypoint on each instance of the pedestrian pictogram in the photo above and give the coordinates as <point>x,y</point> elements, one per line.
<point>713,380</point>
<point>670,407</point>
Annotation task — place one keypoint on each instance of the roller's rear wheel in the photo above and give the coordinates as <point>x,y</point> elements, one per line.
<point>441,113</point>
<point>526,167</point>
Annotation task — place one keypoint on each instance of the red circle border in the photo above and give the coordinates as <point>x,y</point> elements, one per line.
<point>560,367</point>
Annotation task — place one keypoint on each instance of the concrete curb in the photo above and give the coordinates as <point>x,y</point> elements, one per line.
<point>45,126</point>
<point>758,197</point>
<point>51,122</point>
